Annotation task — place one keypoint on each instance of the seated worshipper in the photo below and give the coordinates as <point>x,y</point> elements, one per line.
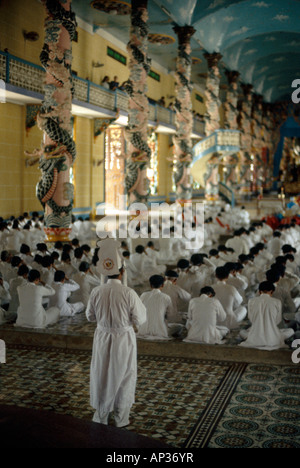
<point>133,276</point>
<point>31,312</point>
<point>265,314</point>
<point>26,255</point>
<point>78,257</point>
<point>159,308</point>
<point>5,265</point>
<point>288,306</point>
<point>179,297</point>
<point>47,272</point>
<point>14,303</point>
<point>142,262</point>
<point>204,314</point>
<point>5,296</point>
<point>214,258</point>
<point>87,254</point>
<point>153,258</point>
<point>37,263</point>
<point>118,311</point>
<point>275,244</point>
<point>230,299</point>
<point>236,279</point>
<point>182,268</point>
<point>199,274</point>
<point>86,281</point>
<point>15,263</point>
<point>237,243</point>
<point>66,265</point>
<point>63,288</point>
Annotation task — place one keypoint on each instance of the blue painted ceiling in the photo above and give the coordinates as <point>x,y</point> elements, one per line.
<point>258,38</point>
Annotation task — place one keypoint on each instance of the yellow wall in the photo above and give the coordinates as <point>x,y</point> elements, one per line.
<point>18,182</point>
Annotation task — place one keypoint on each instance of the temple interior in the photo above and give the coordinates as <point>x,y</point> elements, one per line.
<point>110,107</point>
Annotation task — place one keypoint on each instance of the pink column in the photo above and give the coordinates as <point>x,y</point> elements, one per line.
<point>183,117</point>
<point>54,190</point>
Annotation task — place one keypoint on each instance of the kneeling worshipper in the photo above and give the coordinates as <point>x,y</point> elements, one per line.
<point>230,299</point>
<point>64,288</point>
<point>118,311</point>
<point>159,308</point>
<point>265,315</point>
<point>204,314</point>
<point>31,312</point>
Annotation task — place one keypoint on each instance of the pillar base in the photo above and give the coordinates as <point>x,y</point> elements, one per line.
<point>55,234</point>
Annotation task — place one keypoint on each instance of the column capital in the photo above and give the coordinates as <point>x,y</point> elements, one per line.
<point>184,33</point>
<point>213,59</point>
<point>232,76</point>
<point>247,88</point>
<point>136,4</point>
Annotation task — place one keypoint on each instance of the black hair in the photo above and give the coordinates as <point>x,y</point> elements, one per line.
<point>197,259</point>
<point>171,274</point>
<point>183,264</point>
<point>33,275</point>
<point>59,275</point>
<point>78,252</point>
<point>65,256</point>
<point>58,245</point>
<point>15,261</point>
<point>23,270</point>
<point>213,252</point>
<point>276,234</point>
<point>24,249</point>
<point>156,281</point>
<point>139,248</point>
<point>222,273</point>
<point>266,286</point>
<point>273,276</point>
<point>207,290</point>
<point>84,266</point>
<point>126,254</point>
<point>46,261</point>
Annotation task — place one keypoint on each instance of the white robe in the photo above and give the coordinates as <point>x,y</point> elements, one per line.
<point>115,308</point>
<point>62,292</point>
<point>231,301</point>
<point>203,315</point>
<point>158,306</point>
<point>31,312</point>
<point>86,283</point>
<point>178,297</point>
<point>265,314</point>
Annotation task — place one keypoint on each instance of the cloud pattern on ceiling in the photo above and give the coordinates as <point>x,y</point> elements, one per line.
<point>260,39</point>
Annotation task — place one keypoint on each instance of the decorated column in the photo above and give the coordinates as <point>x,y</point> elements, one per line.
<point>230,162</point>
<point>139,153</point>
<point>184,117</point>
<point>212,123</point>
<point>257,144</point>
<point>57,154</point>
<point>244,121</point>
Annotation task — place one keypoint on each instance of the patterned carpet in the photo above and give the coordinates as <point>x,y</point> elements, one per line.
<point>185,403</point>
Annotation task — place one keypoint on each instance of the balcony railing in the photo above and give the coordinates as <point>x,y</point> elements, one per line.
<point>29,76</point>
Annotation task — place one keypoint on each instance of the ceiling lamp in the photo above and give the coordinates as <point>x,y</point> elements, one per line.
<point>160,39</point>
<point>112,7</point>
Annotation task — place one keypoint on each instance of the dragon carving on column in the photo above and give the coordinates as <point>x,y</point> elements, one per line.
<point>136,182</point>
<point>183,114</point>
<point>58,152</point>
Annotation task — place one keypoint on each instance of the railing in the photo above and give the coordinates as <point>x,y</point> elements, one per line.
<point>227,193</point>
<point>29,76</point>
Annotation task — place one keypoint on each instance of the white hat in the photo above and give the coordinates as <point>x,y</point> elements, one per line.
<point>110,260</point>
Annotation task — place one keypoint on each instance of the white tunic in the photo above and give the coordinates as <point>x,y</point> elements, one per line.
<point>31,312</point>
<point>178,296</point>
<point>231,301</point>
<point>203,315</point>
<point>265,315</point>
<point>159,306</point>
<point>62,292</point>
<point>115,308</point>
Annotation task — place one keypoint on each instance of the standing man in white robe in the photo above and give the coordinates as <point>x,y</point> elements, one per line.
<point>117,309</point>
